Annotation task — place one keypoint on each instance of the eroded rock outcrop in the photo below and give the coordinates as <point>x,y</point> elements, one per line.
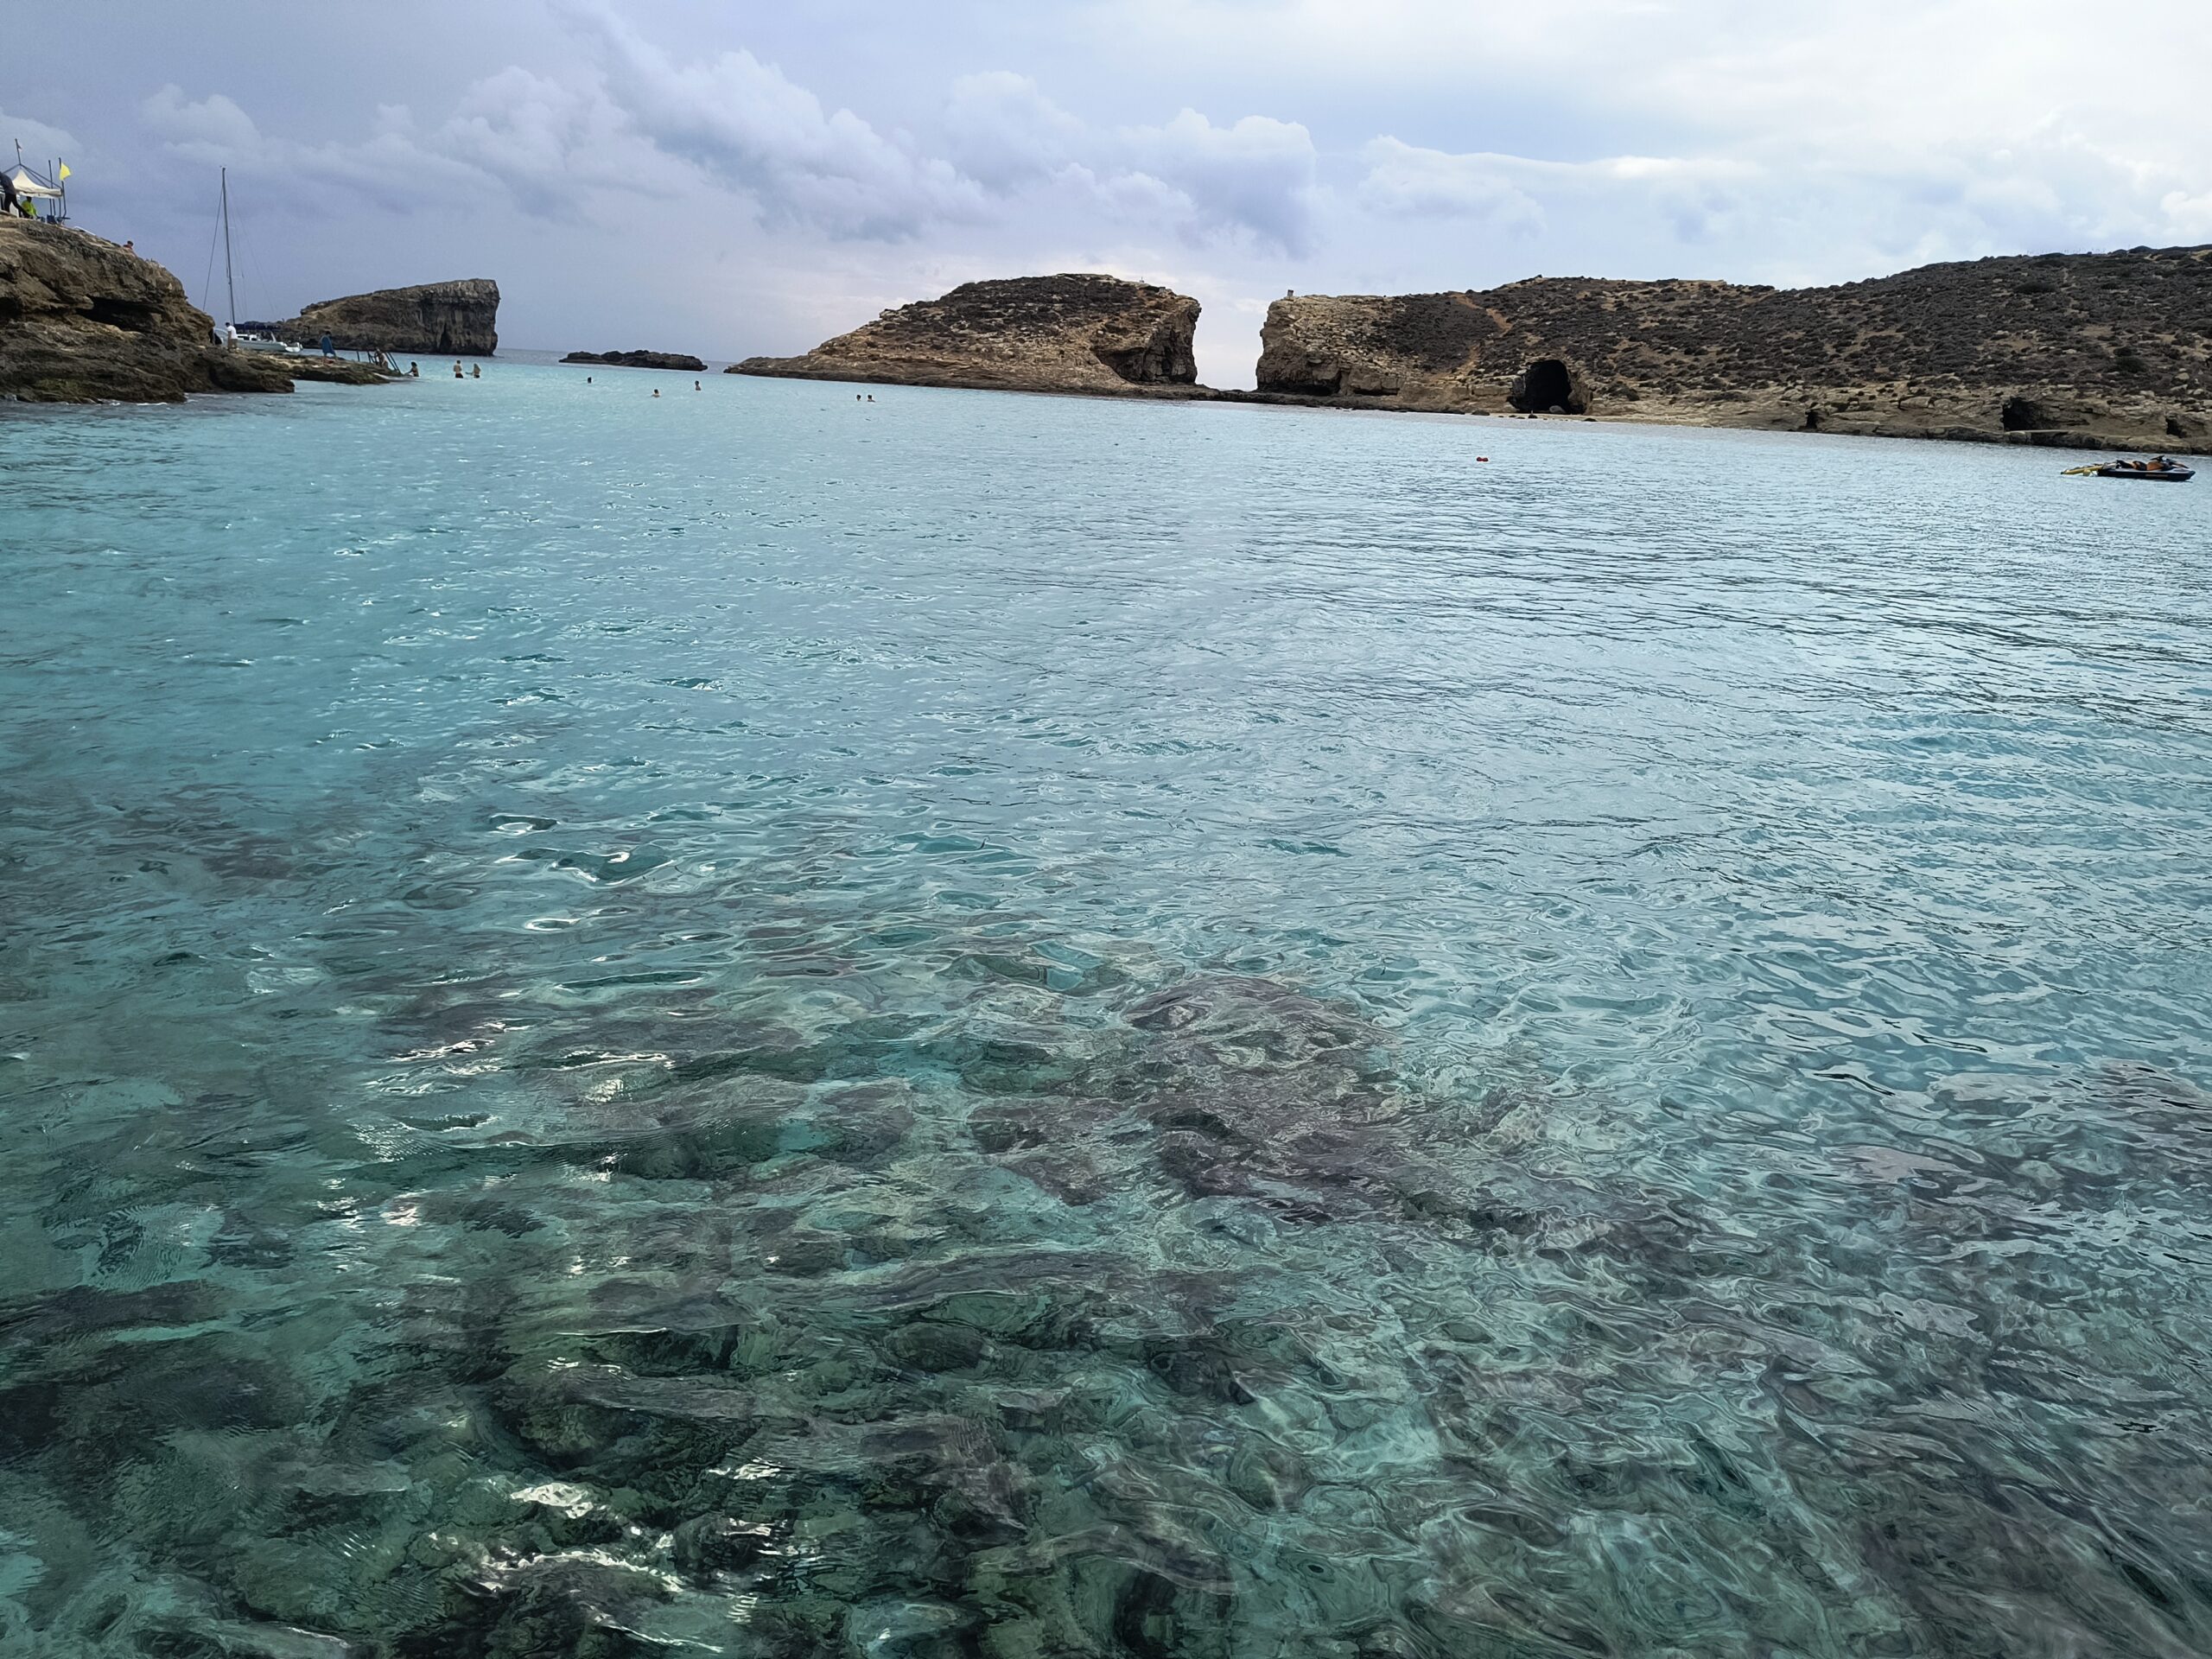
<point>2109,350</point>
<point>638,360</point>
<point>1076,332</point>
<point>81,320</point>
<point>457,319</point>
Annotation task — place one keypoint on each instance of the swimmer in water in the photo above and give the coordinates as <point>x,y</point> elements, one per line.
<point>656,392</point>
<point>695,385</point>
<point>456,369</point>
<point>476,370</point>
<point>414,370</point>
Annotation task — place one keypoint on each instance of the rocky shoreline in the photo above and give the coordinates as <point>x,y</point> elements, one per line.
<point>2110,351</point>
<point>83,321</point>
<point>2088,350</point>
<point>2069,351</point>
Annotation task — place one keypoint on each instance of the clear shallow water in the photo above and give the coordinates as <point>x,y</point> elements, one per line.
<point>1019,1026</point>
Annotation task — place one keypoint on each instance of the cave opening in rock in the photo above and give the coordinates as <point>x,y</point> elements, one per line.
<point>1545,384</point>
<point>2022,415</point>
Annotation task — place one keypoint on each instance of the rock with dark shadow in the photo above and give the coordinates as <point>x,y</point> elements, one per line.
<point>682,360</point>
<point>1078,331</point>
<point>457,319</point>
<point>2072,351</point>
<point>82,320</point>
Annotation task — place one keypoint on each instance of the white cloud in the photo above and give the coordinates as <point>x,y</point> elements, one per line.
<point>1002,131</point>
<point>2189,218</point>
<point>392,167</point>
<point>1792,211</point>
<point>750,126</point>
<point>745,123</point>
<point>1407,182</point>
<point>543,141</point>
<point>1253,177</point>
<point>548,142</point>
<point>645,120</point>
<point>214,129</point>
<point>1256,174</point>
<point>40,142</point>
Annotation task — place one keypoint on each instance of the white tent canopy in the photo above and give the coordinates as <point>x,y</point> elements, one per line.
<point>28,183</point>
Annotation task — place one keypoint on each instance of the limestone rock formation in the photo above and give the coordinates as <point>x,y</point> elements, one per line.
<point>638,360</point>
<point>459,319</point>
<point>2106,351</point>
<point>81,320</point>
<point>1077,332</point>
<point>339,370</point>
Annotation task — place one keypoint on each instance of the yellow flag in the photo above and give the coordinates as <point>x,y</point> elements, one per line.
<point>63,174</point>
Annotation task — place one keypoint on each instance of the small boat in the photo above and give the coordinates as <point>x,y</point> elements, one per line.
<point>2161,471</point>
<point>247,340</point>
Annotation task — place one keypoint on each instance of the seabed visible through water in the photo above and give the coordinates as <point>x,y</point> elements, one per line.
<point>1006,1026</point>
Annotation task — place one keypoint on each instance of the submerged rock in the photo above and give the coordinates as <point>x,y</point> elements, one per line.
<point>83,321</point>
<point>1077,332</point>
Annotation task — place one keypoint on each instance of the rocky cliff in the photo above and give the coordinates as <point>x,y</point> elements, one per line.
<point>458,318</point>
<point>82,320</point>
<point>2109,350</point>
<point>1071,332</point>
<point>638,360</point>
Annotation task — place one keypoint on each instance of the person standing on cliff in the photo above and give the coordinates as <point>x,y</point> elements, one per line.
<point>328,350</point>
<point>9,201</point>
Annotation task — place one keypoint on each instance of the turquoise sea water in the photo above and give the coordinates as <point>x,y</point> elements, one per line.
<point>743,1024</point>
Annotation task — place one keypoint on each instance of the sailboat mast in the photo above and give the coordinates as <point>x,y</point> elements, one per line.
<point>230,288</point>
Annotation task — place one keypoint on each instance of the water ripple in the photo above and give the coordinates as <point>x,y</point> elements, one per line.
<point>1019,1026</point>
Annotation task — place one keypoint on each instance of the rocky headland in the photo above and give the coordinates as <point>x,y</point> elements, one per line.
<point>457,319</point>
<point>82,320</point>
<point>1078,331</point>
<point>638,360</point>
<point>2102,351</point>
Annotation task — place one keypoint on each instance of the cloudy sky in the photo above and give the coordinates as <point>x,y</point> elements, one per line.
<point>730,177</point>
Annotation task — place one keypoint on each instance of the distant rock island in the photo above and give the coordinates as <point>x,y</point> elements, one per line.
<point>82,320</point>
<point>457,319</point>
<point>1077,332</point>
<point>2104,350</point>
<point>638,360</point>
<point>2086,351</point>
